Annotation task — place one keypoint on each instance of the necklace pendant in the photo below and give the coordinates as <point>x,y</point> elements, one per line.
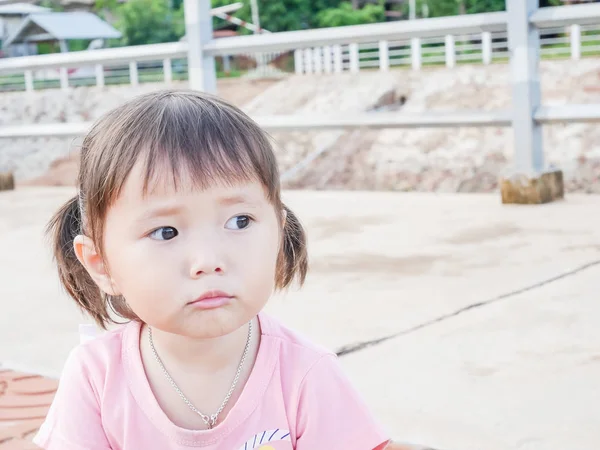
<point>213,420</point>
<point>207,420</point>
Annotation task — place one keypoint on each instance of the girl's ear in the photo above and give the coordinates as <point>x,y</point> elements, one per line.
<point>88,256</point>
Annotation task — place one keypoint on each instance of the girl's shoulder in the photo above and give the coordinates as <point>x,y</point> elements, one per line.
<point>99,352</point>
<point>295,348</point>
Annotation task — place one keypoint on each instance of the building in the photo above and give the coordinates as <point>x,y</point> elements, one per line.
<point>11,17</point>
<point>60,27</point>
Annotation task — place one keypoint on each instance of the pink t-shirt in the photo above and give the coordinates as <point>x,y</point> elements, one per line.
<point>296,397</point>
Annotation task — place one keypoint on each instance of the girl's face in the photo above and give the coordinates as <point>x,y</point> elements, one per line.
<point>168,248</point>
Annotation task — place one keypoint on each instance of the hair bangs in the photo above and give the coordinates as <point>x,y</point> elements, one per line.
<point>195,143</point>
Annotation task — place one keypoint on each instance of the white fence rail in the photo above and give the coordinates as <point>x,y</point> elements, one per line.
<point>475,39</point>
<point>574,42</point>
<point>114,66</point>
<point>522,34</point>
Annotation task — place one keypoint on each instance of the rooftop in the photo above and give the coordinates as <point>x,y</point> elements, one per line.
<point>62,26</point>
<point>21,9</point>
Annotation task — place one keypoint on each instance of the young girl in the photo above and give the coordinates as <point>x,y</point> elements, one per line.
<point>178,227</point>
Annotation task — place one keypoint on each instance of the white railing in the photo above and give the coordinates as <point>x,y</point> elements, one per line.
<point>123,65</point>
<point>523,23</point>
<point>574,42</point>
<point>168,62</point>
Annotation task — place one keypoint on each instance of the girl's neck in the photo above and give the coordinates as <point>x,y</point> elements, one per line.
<point>203,355</point>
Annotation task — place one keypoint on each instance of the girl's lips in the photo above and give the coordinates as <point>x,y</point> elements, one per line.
<point>211,300</point>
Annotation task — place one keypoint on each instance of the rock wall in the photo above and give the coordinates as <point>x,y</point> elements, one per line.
<point>453,159</point>
<point>464,159</point>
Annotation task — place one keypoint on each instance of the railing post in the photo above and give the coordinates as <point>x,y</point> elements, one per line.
<point>415,53</point>
<point>298,62</point>
<point>337,59</point>
<point>450,51</point>
<point>530,181</point>
<point>168,70</point>
<point>202,72</point>
<point>524,45</point>
<point>133,73</point>
<point>29,81</point>
<point>354,62</point>
<point>308,60</point>
<point>99,75</point>
<point>575,41</point>
<point>318,60</point>
<point>486,47</point>
<point>327,58</point>
<point>64,78</point>
<point>384,57</point>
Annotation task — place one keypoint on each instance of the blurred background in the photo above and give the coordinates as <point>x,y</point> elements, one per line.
<point>444,156</point>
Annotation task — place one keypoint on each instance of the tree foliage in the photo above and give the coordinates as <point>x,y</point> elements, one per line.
<point>346,15</point>
<point>146,21</point>
<point>438,8</point>
<point>281,15</point>
<point>153,21</point>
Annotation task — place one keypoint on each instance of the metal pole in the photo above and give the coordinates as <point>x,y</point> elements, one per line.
<point>255,15</point>
<point>524,44</point>
<point>412,9</point>
<point>199,32</point>
<point>260,57</point>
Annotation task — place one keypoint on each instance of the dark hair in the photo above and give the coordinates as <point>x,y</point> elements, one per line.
<point>183,131</point>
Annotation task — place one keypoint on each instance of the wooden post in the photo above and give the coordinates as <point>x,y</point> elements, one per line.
<point>7,181</point>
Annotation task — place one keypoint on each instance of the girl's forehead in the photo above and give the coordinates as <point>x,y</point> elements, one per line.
<point>165,184</point>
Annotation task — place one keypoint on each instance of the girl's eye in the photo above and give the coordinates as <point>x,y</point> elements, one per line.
<point>164,233</point>
<point>238,222</point>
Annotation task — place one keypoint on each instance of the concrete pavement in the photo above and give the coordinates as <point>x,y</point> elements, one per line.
<point>519,373</point>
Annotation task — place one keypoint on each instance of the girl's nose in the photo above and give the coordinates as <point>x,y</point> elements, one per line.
<point>206,262</point>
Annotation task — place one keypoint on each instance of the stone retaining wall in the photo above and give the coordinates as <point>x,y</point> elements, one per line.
<point>453,159</point>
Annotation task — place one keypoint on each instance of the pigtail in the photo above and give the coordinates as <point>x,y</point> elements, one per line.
<point>63,228</point>
<point>293,258</point>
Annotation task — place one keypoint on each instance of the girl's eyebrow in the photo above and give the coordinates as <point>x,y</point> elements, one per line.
<point>163,211</point>
<point>236,200</point>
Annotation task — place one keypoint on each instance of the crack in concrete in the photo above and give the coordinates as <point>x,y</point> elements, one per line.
<point>352,348</point>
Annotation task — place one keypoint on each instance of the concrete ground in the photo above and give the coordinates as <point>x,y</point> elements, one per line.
<point>521,370</point>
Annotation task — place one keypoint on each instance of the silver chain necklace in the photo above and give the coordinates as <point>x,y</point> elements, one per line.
<point>211,420</point>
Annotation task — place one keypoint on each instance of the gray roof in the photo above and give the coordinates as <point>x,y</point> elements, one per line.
<point>63,26</point>
<point>21,9</point>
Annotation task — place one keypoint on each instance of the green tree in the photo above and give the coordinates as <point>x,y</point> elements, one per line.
<point>145,21</point>
<point>481,6</point>
<point>552,3</point>
<point>439,8</point>
<point>345,14</point>
<point>280,15</point>
<point>54,5</point>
